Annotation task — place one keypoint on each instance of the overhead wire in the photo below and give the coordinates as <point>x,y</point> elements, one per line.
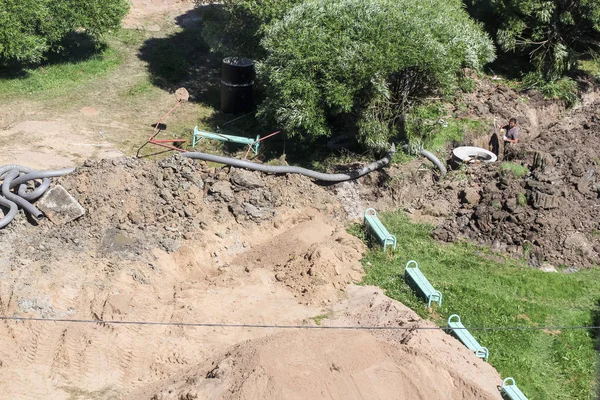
<point>272,326</point>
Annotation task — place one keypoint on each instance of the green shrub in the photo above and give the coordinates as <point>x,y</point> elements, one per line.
<point>552,34</point>
<point>514,169</point>
<point>360,65</point>
<point>236,27</point>
<point>30,29</point>
<point>565,89</point>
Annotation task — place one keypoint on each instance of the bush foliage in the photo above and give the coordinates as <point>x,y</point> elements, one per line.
<point>553,34</point>
<point>30,29</point>
<point>359,65</point>
<point>236,27</point>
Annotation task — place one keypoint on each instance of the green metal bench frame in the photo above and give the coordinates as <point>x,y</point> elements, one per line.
<point>468,340</point>
<point>199,135</point>
<point>511,390</point>
<point>377,227</point>
<point>422,283</point>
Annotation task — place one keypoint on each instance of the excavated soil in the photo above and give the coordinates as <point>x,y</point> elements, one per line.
<point>179,241</point>
<point>550,215</point>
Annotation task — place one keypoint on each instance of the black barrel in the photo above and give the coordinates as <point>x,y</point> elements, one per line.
<point>237,79</point>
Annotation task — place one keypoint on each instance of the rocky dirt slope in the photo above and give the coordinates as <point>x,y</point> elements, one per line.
<point>550,215</point>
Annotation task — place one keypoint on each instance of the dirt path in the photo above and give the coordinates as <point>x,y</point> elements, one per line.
<point>104,117</point>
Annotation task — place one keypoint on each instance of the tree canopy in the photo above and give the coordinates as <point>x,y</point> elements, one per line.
<point>553,34</point>
<point>30,29</point>
<point>236,27</point>
<point>358,64</point>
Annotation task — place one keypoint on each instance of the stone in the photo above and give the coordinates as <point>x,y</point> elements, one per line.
<point>59,206</point>
<point>223,190</point>
<point>470,196</point>
<point>545,201</point>
<point>166,194</point>
<point>438,208</point>
<point>246,179</point>
<point>547,267</point>
<point>253,212</point>
<point>280,276</point>
<point>542,160</point>
<point>578,241</point>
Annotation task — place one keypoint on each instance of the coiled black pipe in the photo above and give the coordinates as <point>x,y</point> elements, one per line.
<point>274,169</point>
<point>10,175</point>
<point>24,204</point>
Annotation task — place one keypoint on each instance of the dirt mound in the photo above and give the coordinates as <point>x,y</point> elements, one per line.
<point>314,259</point>
<point>168,241</point>
<point>338,364</point>
<point>547,209</point>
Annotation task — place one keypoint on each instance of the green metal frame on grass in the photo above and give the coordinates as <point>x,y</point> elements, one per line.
<point>423,283</point>
<point>511,390</point>
<point>370,218</point>
<point>466,338</point>
<point>199,135</point>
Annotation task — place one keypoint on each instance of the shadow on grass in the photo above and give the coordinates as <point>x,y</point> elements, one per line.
<point>75,47</point>
<point>183,59</point>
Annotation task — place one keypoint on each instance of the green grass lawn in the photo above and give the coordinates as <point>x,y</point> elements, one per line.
<point>61,76</point>
<point>488,291</point>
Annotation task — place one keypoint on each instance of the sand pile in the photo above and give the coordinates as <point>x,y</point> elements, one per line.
<point>338,364</point>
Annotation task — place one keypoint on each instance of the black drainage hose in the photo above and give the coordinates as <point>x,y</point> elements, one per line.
<point>431,157</point>
<point>9,175</point>
<point>274,169</point>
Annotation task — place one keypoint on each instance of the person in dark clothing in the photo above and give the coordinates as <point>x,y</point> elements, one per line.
<point>510,137</point>
<point>494,144</point>
<point>511,130</point>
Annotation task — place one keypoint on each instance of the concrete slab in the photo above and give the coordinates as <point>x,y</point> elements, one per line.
<point>59,206</point>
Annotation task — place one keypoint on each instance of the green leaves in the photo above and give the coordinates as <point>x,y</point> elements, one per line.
<point>29,29</point>
<point>553,34</point>
<point>359,64</point>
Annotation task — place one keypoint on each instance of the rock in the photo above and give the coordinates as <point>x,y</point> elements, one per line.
<point>223,190</point>
<point>542,160</point>
<point>470,196</point>
<point>166,194</point>
<point>547,267</point>
<point>246,179</point>
<point>578,241</point>
<point>438,208</point>
<point>135,218</point>
<point>510,204</point>
<point>543,200</point>
<point>253,212</point>
<point>280,276</point>
<point>237,211</point>
<point>59,206</point>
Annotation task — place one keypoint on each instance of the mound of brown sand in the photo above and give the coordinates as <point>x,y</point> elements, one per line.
<point>341,364</point>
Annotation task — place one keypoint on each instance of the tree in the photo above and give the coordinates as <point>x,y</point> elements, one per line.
<point>553,34</point>
<point>236,27</point>
<point>30,29</point>
<point>360,64</point>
